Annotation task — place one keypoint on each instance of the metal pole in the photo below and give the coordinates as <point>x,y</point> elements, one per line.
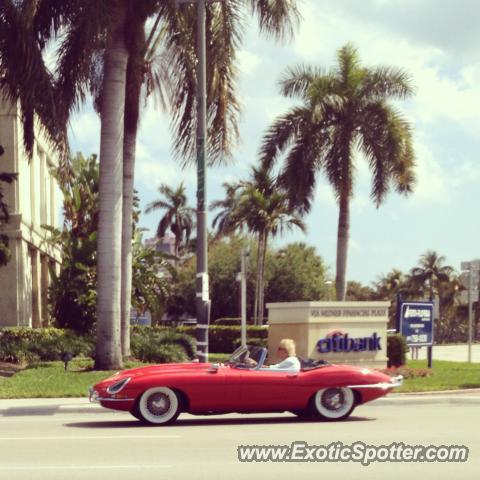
<point>243,281</point>
<point>470,313</point>
<point>202,293</point>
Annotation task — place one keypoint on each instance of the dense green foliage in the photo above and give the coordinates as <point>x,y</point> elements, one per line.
<point>396,350</point>
<point>294,272</point>
<point>225,339</point>
<point>149,344</point>
<point>73,293</point>
<point>161,346</point>
<point>21,345</point>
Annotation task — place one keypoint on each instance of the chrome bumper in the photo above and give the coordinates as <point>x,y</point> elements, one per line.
<point>394,382</point>
<point>94,398</point>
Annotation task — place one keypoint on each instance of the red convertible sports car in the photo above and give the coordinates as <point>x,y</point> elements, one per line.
<point>157,394</point>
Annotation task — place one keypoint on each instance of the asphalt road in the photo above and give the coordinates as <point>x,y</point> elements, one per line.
<point>67,439</point>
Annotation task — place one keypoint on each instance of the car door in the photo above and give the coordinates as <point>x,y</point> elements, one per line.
<point>213,389</point>
<point>271,390</point>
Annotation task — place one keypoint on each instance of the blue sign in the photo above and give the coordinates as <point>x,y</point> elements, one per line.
<point>416,323</point>
<point>342,343</point>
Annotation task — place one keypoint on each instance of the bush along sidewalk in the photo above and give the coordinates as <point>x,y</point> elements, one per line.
<point>149,344</point>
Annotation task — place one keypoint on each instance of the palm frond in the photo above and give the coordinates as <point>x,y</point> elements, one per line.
<point>276,18</point>
<point>282,133</point>
<point>25,78</point>
<point>298,80</point>
<point>384,81</point>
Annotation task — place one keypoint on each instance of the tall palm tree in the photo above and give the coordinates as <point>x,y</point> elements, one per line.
<point>427,278</point>
<point>226,220</point>
<point>178,216</point>
<point>342,111</point>
<point>259,205</point>
<point>87,25</point>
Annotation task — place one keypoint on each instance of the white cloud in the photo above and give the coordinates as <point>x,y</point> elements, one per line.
<point>248,61</point>
<point>432,179</point>
<point>84,132</point>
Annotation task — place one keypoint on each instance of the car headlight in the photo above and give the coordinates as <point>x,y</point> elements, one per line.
<point>118,386</point>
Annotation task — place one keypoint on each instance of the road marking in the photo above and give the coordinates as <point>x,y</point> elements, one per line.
<point>92,437</point>
<point>80,467</point>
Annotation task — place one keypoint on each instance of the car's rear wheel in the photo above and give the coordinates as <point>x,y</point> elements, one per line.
<point>333,403</point>
<point>158,406</point>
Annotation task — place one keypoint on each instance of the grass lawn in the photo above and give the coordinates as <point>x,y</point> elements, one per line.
<point>49,380</point>
<point>445,376</point>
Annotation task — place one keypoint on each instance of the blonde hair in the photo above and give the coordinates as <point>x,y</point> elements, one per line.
<point>289,345</point>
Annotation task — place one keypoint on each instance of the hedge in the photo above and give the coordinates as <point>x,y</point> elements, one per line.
<point>20,344</point>
<point>221,338</point>
<point>396,350</point>
<point>162,346</point>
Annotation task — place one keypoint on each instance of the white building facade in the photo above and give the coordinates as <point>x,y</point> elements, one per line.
<point>33,200</point>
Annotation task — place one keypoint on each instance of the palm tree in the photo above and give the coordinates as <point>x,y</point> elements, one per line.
<point>388,287</point>
<point>260,205</point>
<point>87,25</point>
<point>24,76</point>
<point>342,111</point>
<point>436,280</point>
<point>178,216</point>
<point>427,278</point>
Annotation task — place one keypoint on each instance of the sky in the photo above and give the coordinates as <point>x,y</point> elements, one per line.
<point>437,43</point>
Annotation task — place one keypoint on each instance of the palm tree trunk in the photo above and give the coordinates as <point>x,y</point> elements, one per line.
<point>108,347</point>
<point>342,246</point>
<point>134,80</point>
<point>126,282</point>
<point>261,302</point>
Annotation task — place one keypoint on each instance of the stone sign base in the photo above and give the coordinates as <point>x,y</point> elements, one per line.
<point>340,332</point>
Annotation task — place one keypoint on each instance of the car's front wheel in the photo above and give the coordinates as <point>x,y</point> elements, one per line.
<point>158,406</point>
<point>333,403</point>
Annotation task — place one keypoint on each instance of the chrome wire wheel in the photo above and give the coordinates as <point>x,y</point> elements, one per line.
<point>334,403</point>
<point>159,406</point>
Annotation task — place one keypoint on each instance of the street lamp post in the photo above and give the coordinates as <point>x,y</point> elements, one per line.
<point>242,278</point>
<point>202,297</point>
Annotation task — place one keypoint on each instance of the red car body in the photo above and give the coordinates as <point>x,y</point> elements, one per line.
<point>204,388</point>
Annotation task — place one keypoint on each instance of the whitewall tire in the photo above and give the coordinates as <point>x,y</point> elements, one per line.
<point>334,403</point>
<point>158,406</point>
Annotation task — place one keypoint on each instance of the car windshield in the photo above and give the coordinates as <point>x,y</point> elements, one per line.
<point>243,355</point>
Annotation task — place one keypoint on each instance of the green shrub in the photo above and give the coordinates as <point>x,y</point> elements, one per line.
<point>396,350</point>
<point>21,345</point>
<point>221,338</point>
<point>161,345</point>
<point>231,321</point>
<point>224,339</point>
<point>255,342</point>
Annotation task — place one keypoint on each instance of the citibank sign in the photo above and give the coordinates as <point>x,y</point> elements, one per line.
<point>341,342</point>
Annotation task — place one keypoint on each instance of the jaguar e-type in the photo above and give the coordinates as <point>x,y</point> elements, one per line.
<point>157,394</point>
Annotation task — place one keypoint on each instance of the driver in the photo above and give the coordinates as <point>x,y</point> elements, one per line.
<point>288,359</point>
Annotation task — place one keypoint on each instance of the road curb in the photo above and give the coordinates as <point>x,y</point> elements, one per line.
<point>45,407</point>
<point>460,391</point>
